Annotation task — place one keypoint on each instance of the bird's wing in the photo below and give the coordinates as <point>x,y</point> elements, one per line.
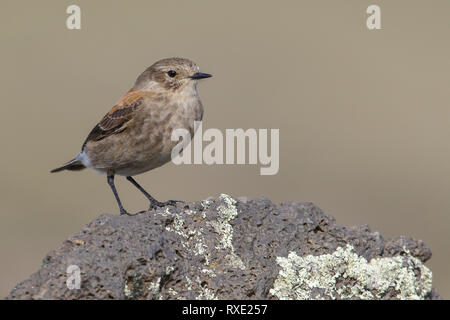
<point>117,118</point>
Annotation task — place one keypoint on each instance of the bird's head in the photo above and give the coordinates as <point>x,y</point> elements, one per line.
<point>170,74</point>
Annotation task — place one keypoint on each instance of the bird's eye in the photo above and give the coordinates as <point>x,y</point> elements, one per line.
<point>171,73</point>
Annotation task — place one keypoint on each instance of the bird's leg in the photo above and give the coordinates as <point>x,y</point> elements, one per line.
<point>153,202</point>
<point>113,187</point>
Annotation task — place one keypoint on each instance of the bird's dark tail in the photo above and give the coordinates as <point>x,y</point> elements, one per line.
<point>72,165</point>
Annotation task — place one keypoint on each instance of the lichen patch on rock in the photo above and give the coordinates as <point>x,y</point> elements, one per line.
<point>345,275</point>
<point>226,212</point>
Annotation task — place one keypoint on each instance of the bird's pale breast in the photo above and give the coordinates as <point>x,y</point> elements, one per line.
<point>146,141</point>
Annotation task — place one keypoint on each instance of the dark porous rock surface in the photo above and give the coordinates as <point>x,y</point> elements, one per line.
<point>230,248</point>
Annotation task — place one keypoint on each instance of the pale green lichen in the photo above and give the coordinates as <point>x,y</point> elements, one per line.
<point>235,261</point>
<point>193,239</point>
<point>127,290</point>
<point>169,270</point>
<point>177,224</point>
<point>188,283</point>
<point>299,276</point>
<point>205,204</point>
<point>163,212</point>
<point>227,212</point>
<point>206,294</point>
<point>154,286</point>
<point>209,272</point>
<point>132,286</point>
<point>172,292</point>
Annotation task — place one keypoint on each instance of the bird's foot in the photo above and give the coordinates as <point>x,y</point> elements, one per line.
<point>156,204</point>
<point>124,212</point>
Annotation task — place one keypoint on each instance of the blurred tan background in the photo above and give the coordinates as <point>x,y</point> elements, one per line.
<point>363,115</point>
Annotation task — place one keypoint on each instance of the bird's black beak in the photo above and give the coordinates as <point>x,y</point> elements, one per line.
<point>200,75</point>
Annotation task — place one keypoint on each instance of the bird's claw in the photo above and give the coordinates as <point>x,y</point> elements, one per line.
<point>156,204</point>
<point>124,212</point>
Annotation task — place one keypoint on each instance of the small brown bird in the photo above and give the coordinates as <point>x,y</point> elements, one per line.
<point>135,135</point>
